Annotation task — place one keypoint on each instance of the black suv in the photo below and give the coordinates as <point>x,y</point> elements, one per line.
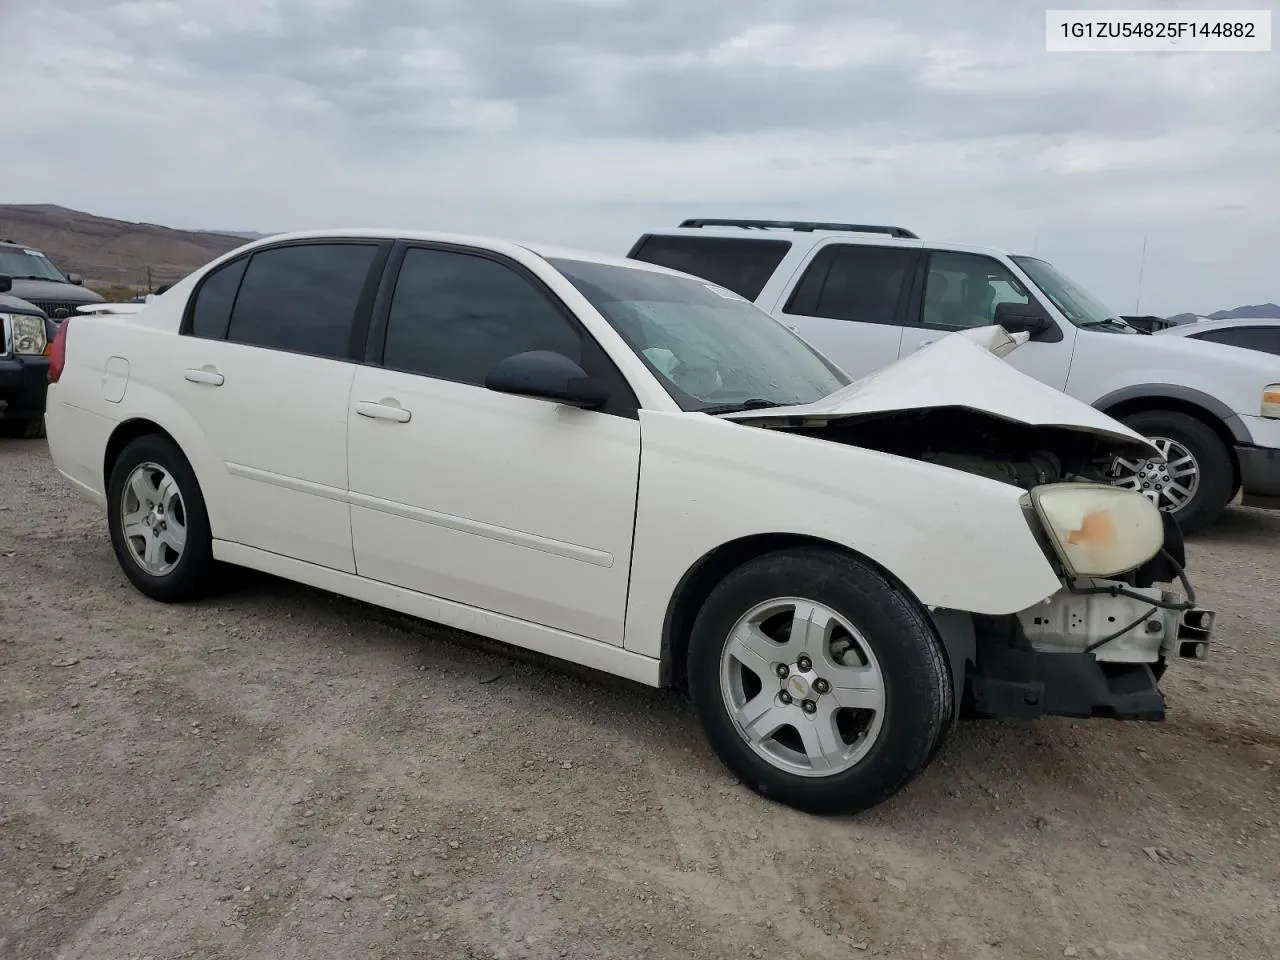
<point>26,334</point>
<point>37,280</point>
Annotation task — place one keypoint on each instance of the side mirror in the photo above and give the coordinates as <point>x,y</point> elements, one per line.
<point>75,278</point>
<point>1022,318</point>
<point>547,375</point>
<point>6,283</point>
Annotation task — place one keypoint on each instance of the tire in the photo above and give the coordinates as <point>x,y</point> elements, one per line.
<point>877,750</point>
<point>176,576</point>
<point>1216,481</point>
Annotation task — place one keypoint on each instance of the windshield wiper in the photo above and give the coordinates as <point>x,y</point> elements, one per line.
<point>1113,322</point>
<point>753,404</point>
<point>20,277</point>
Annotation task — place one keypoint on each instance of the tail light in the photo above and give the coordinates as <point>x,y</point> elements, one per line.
<point>58,355</point>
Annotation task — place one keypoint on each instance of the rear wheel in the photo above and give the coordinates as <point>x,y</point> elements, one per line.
<point>157,519</point>
<point>1194,481</point>
<point>818,682</point>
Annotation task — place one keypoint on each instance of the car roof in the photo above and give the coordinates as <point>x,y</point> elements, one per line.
<point>499,244</point>
<point>1200,326</point>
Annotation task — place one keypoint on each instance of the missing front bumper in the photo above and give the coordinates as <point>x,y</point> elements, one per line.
<point>1024,684</point>
<point>1040,663</point>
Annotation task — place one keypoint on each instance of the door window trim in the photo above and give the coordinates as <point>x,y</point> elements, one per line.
<point>364,304</point>
<point>623,401</point>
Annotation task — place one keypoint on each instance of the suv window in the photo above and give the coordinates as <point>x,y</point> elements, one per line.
<point>455,315</point>
<point>962,290</point>
<point>1266,339</point>
<point>211,312</point>
<point>857,282</point>
<point>302,298</point>
<point>743,266</point>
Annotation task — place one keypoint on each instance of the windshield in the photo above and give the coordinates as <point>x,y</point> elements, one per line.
<point>714,350</point>
<point>1077,304</point>
<point>18,262</point>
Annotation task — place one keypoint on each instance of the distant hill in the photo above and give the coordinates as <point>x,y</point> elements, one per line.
<point>114,253</point>
<point>1241,313</point>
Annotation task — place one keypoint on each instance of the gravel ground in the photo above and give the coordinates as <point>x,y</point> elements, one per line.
<point>280,773</point>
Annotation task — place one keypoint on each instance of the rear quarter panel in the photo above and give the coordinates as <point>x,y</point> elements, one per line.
<point>80,418</point>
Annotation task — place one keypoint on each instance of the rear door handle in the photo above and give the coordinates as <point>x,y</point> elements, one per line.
<point>205,374</point>
<point>385,409</point>
<point>923,343</point>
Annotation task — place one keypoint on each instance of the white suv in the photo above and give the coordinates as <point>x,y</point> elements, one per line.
<point>867,295</point>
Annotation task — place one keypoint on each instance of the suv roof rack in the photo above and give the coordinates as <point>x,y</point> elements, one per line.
<point>804,226</point>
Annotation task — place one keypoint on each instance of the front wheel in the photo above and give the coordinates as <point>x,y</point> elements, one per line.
<point>1194,482</point>
<point>818,682</point>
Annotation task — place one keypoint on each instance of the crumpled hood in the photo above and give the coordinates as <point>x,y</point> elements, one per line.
<point>963,370</point>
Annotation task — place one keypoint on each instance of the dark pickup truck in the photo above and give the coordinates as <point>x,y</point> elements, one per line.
<point>26,335</point>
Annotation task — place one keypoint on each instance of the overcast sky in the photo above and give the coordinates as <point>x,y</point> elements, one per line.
<point>585,122</point>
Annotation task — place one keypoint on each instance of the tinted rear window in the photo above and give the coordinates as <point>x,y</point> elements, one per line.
<point>302,298</point>
<point>743,266</point>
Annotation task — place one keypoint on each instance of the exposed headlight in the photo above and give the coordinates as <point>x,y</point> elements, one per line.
<point>1271,401</point>
<point>1098,530</point>
<point>26,333</point>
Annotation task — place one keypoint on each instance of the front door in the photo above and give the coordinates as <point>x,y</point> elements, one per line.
<point>513,505</point>
<point>962,291</point>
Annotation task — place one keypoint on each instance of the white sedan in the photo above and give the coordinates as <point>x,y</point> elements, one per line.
<point>636,470</point>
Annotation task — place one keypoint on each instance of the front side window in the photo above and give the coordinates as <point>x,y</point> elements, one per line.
<point>962,291</point>
<point>20,263</point>
<point>713,349</point>
<point>454,316</point>
<point>302,298</point>
<point>856,282</point>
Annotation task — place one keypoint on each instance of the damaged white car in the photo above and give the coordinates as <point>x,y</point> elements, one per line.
<point>639,471</point>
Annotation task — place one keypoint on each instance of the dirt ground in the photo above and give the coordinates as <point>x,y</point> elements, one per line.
<point>280,774</point>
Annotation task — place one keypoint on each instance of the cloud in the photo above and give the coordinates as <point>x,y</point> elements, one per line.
<point>588,121</point>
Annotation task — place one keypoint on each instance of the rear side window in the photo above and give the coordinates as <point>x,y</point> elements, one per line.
<point>455,315</point>
<point>743,266</point>
<point>856,282</point>
<point>302,298</point>
<point>1266,339</point>
<point>211,313</point>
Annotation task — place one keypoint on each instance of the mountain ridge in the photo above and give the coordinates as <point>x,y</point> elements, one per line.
<point>111,253</point>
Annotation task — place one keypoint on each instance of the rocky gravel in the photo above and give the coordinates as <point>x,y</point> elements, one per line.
<point>280,773</point>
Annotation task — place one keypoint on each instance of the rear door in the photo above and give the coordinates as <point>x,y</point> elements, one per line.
<point>265,369</point>
<point>851,303</point>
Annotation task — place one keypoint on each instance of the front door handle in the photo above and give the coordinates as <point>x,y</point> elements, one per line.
<point>924,343</point>
<point>206,374</point>
<point>385,409</point>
